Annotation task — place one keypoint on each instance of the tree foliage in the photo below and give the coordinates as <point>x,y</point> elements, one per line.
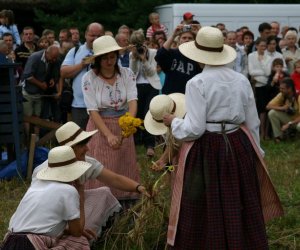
<point>112,13</point>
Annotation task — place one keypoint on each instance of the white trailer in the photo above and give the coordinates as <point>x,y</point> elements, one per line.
<point>232,15</point>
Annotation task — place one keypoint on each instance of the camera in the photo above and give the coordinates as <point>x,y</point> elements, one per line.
<point>186,28</point>
<point>140,48</point>
<point>290,111</point>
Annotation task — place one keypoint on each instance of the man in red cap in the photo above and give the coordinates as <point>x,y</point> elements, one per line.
<point>187,18</point>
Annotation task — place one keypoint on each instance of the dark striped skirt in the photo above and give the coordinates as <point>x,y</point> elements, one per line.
<point>220,206</point>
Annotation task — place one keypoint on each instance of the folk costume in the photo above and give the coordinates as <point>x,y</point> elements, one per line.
<point>222,194</point>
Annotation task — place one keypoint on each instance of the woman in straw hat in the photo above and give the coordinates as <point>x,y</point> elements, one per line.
<point>222,193</point>
<point>51,213</point>
<point>109,92</point>
<point>99,203</point>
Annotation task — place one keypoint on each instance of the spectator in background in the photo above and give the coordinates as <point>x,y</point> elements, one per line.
<point>240,64</point>
<point>124,29</point>
<point>8,25</point>
<point>259,66</point>
<point>284,109</point>
<point>275,30</point>
<point>276,76</point>
<point>177,68</point>
<point>38,77</point>
<point>155,25</point>
<point>239,39</point>
<point>284,29</point>
<point>188,18</point>
<point>74,66</point>
<point>271,50</point>
<point>291,53</point>
<point>123,42</point>
<point>8,39</point>
<point>143,65</point>
<point>159,37</point>
<point>27,47</point>
<point>64,35</point>
<point>43,43</point>
<point>248,39</point>
<point>296,76</point>
<point>109,33</point>
<point>75,36</point>
<point>221,26</point>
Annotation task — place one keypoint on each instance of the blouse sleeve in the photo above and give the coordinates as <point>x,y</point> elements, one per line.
<point>130,83</point>
<point>194,123</point>
<point>89,93</point>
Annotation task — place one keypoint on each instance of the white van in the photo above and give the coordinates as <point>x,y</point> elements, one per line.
<point>232,15</point>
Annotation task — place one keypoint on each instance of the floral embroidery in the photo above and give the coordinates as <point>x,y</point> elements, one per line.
<point>114,96</point>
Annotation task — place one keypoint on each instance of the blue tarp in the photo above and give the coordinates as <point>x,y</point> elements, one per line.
<point>9,171</point>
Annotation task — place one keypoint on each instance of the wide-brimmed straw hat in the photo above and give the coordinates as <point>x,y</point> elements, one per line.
<point>62,166</point>
<point>161,105</point>
<point>103,45</point>
<point>209,48</point>
<point>70,134</point>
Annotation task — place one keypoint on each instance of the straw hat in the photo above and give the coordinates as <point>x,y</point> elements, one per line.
<point>70,134</point>
<point>161,105</point>
<point>103,45</point>
<point>62,166</point>
<point>208,48</point>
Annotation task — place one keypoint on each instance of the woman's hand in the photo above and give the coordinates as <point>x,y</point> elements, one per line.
<point>159,165</point>
<point>113,141</point>
<point>167,119</point>
<point>142,190</point>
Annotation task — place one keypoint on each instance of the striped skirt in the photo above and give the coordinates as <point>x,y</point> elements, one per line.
<point>41,242</point>
<point>221,205</point>
<point>122,161</point>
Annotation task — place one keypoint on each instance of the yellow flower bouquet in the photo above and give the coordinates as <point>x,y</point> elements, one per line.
<point>129,125</point>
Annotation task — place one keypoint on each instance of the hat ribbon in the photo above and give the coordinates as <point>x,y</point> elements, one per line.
<point>198,46</point>
<point>62,163</point>
<point>72,137</point>
<point>172,112</point>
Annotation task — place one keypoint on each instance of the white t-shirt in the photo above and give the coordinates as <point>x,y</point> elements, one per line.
<point>45,208</point>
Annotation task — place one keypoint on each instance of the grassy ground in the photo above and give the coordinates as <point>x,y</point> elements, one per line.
<point>283,162</point>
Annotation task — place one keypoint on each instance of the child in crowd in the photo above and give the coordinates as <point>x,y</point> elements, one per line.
<point>155,25</point>
<point>8,26</point>
<point>296,76</point>
<point>277,74</point>
<point>43,43</point>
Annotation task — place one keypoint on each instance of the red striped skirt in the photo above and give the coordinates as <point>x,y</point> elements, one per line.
<point>221,204</point>
<point>122,161</point>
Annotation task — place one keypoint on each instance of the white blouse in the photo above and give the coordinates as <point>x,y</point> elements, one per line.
<point>99,95</point>
<point>217,94</point>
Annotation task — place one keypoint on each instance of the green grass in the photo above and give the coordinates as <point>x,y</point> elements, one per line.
<point>283,161</point>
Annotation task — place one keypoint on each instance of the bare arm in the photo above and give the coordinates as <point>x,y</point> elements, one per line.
<point>168,43</point>
<point>40,84</point>
<point>132,107</point>
<point>120,182</point>
<point>70,71</point>
<point>76,226</point>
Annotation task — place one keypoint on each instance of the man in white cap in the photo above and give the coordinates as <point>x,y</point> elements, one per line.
<point>222,194</point>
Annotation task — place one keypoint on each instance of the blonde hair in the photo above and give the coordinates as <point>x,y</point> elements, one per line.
<point>290,33</point>
<point>153,14</point>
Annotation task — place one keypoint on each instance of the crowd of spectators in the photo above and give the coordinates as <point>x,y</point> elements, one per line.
<point>51,63</point>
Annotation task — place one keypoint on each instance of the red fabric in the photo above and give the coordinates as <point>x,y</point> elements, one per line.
<point>296,78</point>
